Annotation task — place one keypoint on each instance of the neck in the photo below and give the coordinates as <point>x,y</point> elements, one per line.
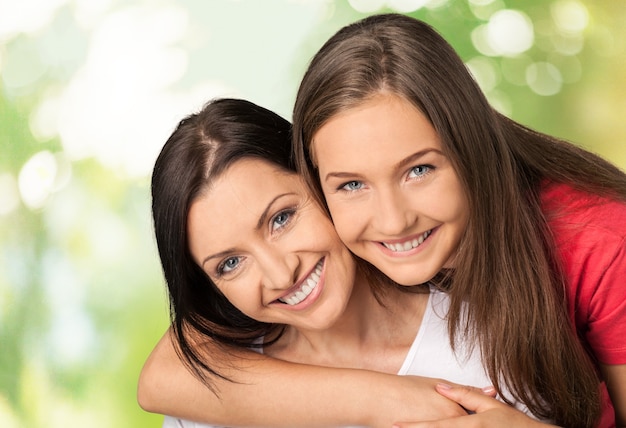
<point>370,334</point>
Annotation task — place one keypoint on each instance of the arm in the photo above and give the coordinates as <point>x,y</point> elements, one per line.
<point>615,378</point>
<point>271,392</point>
<point>489,412</point>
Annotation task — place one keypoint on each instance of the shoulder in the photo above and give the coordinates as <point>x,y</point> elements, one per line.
<point>568,210</point>
<point>588,231</point>
<point>589,235</point>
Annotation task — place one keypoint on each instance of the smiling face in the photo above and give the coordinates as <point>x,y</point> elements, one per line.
<point>269,248</point>
<point>394,197</point>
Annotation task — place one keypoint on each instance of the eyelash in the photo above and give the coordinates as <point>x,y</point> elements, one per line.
<point>288,211</point>
<point>428,169</point>
<point>220,269</point>
<point>343,187</point>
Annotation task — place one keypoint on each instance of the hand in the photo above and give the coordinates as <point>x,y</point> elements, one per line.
<point>408,398</point>
<point>488,412</point>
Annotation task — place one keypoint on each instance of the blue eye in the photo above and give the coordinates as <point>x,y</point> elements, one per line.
<point>351,186</point>
<point>228,265</point>
<point>281,219</point>
<point>419,171</point>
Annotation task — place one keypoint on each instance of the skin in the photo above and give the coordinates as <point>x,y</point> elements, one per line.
<point>258,257</point>
<point>377,197</point>
<point>489,412</point>
<point>271,244</point>
<point>381,198</point>
<point>264,254</point>
<point>279,243</point>
<point>166,386</point>
<point>395,217</point>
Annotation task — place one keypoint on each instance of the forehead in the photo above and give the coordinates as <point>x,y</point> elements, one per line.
<point>248,168</point>
<point>232,205</point>
<point>246,184</point>
<point>386,124</point>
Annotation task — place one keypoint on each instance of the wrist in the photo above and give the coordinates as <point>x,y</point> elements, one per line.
<point>373,396</point>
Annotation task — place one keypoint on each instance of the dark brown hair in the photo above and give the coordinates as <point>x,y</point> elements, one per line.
<point>198,151</point>
<point>201,148</point>
<point>506,271</point>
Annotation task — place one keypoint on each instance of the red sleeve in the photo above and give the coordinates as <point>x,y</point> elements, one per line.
<point>601,311</point>
<point>590,238</point>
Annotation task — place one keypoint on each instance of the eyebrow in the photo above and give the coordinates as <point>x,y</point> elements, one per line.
<point>259,225</point>
<point>265,213</point>
<point>408,160</point>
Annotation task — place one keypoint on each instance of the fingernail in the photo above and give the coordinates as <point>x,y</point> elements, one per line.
<point>488,390</point>
<point>444,386</point>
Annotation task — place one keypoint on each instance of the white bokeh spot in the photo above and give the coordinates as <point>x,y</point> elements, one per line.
<point>544,78</point>
<point>367,6</point>
<point>36,179</point>
<point>509,32</point>
<point>407,6</point>
<point>9,194</point>
<point>570,16</point>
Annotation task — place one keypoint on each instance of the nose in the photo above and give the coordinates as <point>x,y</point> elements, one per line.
<point>279,268</point>
<point>393,213</point>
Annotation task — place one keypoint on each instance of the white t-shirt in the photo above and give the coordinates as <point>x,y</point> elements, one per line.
<point>430,355</point>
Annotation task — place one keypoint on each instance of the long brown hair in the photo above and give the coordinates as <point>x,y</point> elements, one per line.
<point>507,272</point>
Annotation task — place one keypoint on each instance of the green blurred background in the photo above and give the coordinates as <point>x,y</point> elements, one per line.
<point>90,90</point>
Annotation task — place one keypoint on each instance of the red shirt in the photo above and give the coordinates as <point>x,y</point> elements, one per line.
<point>590,237</point>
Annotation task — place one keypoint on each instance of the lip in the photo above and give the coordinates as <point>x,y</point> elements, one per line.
<point>415,250</point>
<point>312,297</point>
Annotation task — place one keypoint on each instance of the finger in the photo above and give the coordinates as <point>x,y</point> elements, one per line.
<point>415,425</point>
<point>489,391</point>
<point>473,399</point>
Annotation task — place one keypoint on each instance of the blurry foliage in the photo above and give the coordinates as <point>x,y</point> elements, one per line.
<point>82,299</point>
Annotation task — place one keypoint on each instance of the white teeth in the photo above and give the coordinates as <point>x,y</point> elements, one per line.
<point>308,286</point>
<point>408,245</point>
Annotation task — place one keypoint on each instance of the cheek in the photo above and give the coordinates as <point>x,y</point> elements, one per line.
<point>447,201</point>
<point>243,292</point>
<point>317,232</point>
<point>238,300</point>
<point>458,205</point>
<point>344,219</point>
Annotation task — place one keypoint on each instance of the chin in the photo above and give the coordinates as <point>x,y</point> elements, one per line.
<point>407,282</point>
<point>409,279</point>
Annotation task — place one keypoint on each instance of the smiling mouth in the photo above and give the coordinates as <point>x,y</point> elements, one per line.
<point>408,245</point>
<point>306,287</point>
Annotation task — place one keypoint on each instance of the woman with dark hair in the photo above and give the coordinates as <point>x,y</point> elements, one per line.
<point>524,232</point>
<point>252,261</point>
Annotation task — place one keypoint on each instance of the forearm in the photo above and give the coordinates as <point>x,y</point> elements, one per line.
<point>269,392</point>
<point>259,395</point>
